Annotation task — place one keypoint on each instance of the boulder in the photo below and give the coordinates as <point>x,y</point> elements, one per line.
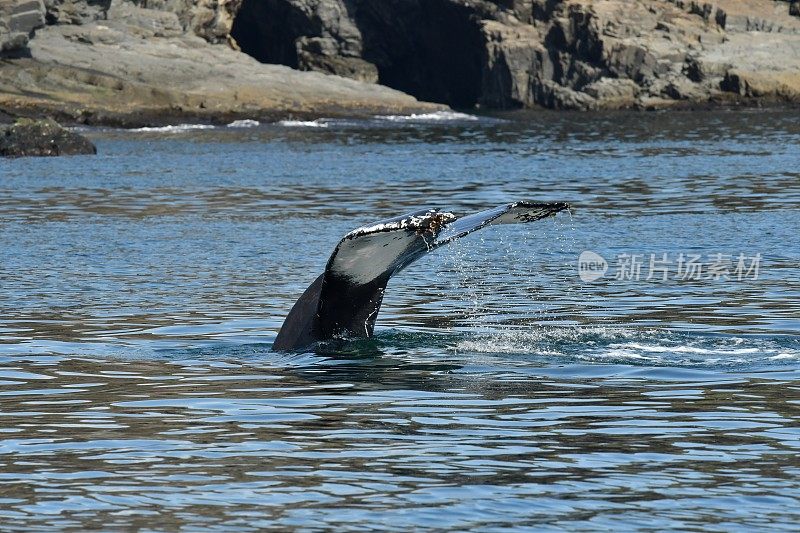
<point>41,138</point>
<point>18,20</point>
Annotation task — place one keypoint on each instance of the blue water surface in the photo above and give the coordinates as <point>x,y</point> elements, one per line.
<point>141,290</point>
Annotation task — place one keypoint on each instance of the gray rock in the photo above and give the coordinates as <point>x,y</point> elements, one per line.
<point>525,53</point>
<point>145,23</point>
<point>109,74</point>
<point>322,54</point>
<point>682,89</point>
<point>18,20</point>
<point>613,92</point>
<point>316,35</point>
<point>26,21</point>
<point>109,56</point>
<point>209,19</point>
<point>41,138</point>
<point>76,11</point>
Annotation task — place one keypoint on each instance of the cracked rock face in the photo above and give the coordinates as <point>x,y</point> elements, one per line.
<point>154,62</point>
<point>108,60</point>
<point>18,20</point>
<point>304,34</point>
<point>209,19</point>
<point>566,54</point>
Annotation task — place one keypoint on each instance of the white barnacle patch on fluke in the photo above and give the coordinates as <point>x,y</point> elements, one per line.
<point>418,221</point>
<point>370,251</point>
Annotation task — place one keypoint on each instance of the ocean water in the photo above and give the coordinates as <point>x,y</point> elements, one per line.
<point>141,290</point>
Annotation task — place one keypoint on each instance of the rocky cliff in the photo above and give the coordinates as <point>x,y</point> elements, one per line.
<point>580,54</point>
<point>146,62</point>
<point>142,61</point>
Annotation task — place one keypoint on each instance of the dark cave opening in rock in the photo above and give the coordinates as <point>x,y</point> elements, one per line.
<point>267,30</point>
<point>431,49</point>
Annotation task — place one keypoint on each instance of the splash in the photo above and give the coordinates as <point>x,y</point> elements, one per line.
<point>508,265</point>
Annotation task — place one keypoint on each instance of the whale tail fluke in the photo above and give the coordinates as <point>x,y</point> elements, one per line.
<point>344,300</point>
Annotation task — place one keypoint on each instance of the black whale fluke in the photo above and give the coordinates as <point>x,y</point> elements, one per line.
<point>345,299</point>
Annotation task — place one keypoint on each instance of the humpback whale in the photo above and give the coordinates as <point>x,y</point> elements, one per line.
<point>343,302</point>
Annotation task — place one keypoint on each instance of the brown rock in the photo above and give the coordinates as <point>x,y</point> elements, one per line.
<point>764,84</point>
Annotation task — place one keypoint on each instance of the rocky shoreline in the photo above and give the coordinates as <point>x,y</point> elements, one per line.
<point>133,63</point>
<point>116,63</point>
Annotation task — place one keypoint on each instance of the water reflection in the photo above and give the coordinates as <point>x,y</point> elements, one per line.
<point>390,442</point>
<point>139,297</point>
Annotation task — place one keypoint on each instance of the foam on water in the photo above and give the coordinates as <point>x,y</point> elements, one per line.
<point>786,355</point>
<point>318,123</point>
<point>633,346</point>
<point>244,123</point>
<point>178,128</point>
<point>436,116</point>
